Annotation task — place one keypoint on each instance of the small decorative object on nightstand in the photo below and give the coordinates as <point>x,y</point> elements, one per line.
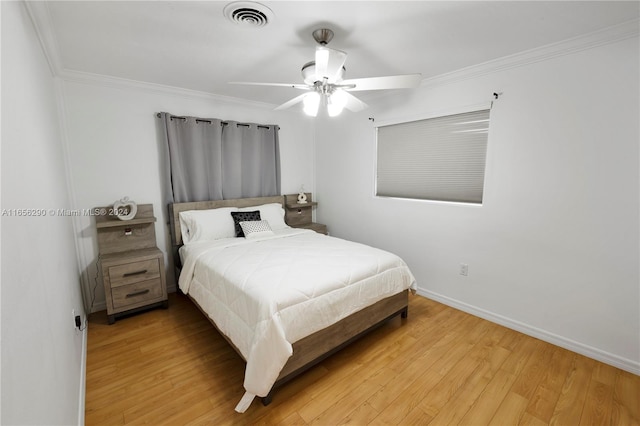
<point>125,209</point>
<point>302,197</point>
<point>131,263</point>
<point>299,215</point>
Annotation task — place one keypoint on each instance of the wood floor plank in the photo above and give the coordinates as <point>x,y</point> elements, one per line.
<point>510,411</point>
<point>342,408</point>
<point>626,394</point>
<point>439,366</point>
<point>362,415</point>
<point>598,402</point>
<point>447,388</point>
<point>568,410</point>
<point>416,417</point>
<point>531,420</point>
<point>533,371</point>
<point>419,389</point>
<point>485,406</point>
<point>456,407</point>
<point>429,352</point>
<point>545,397</point>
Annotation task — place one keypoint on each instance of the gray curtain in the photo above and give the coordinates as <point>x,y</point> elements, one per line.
<point>211,159</point>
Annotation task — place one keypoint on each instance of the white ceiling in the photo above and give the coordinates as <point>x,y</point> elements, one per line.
<point>192,45</point>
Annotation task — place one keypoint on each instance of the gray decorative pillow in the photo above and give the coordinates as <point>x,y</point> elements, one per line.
<point>243,217</point>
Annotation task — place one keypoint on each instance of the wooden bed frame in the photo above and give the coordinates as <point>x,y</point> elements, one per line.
<point>312,349</point>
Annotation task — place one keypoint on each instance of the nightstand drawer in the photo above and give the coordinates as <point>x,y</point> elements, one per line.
<point>134,272</point>
<point>137,293</point>
<point>300,216</point>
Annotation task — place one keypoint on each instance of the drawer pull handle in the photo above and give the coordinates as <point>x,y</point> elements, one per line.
<point>131,274</point>
<point>137,293</point>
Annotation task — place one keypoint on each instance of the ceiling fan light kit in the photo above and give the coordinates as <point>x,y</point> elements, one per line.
<point>336,102</point>
<point>324,81</point>
<point>309,73</point>
<point>311,103</point>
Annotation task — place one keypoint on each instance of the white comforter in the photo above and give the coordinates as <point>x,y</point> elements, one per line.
<point>266,294</point>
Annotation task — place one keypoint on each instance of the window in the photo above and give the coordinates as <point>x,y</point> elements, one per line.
<point>439,158</point>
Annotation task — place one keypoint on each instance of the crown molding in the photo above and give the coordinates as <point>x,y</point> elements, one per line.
<point>613,34</point>
<point>41,19</point>
<point>92,79</point>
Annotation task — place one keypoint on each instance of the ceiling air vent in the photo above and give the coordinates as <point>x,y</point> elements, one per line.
<point>248,14</point>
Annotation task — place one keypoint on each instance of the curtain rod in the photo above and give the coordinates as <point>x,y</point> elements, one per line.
<point>224,123</point>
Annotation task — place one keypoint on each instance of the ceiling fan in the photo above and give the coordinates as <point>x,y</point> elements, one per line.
<point>324,81</point>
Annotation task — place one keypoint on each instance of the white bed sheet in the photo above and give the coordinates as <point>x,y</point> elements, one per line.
<point>268,293</point>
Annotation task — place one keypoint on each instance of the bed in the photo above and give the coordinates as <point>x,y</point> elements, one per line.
<point>284,298</point>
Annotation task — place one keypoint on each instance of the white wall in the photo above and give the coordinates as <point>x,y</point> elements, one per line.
<point>42,352</point>
<point>114,151</point>
<point>554,249</point>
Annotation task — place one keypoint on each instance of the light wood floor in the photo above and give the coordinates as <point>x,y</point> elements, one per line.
<point>440,366</point>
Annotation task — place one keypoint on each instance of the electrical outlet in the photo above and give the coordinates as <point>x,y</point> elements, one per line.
<point>77,319</point>
<point>464,269</point>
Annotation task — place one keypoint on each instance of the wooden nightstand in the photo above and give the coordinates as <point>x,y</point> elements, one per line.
<point>132,266</point>
<point>300,215</point>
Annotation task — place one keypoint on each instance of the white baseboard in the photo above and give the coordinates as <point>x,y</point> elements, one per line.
<point>577,347</point>
<point>83,374</point>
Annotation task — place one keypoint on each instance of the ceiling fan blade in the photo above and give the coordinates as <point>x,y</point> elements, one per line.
<point>293,85</point>
<point>291,102</point>
<point>354,104</point>
<point>407,81</point>
<point>329,63</point>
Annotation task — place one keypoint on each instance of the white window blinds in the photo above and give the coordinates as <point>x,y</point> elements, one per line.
<point>439,158</point>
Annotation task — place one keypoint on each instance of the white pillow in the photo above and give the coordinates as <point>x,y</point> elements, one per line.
<point>272,213</point>
<point>207,225</point>
<point>255,229</point>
